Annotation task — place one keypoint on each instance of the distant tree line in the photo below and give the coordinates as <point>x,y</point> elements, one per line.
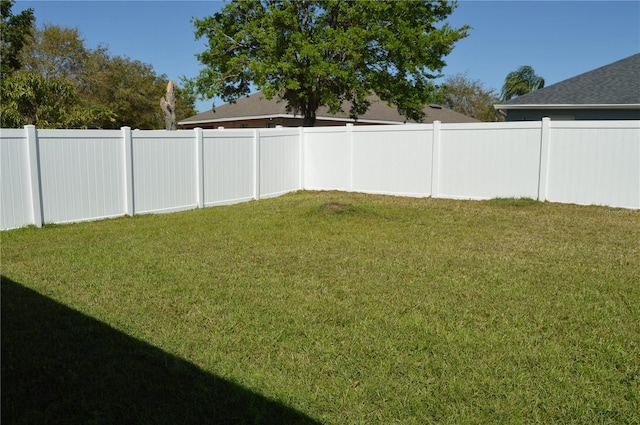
<point>52,80</point>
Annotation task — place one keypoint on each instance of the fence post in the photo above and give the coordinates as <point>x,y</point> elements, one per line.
<point>545,145</point>
<point>34,174</point>
<point>350,141</point>
<point>256,164</point>
<point>301,183</point>
<point>128,171</point>
<point>435,160</point>
<point>199,167</point>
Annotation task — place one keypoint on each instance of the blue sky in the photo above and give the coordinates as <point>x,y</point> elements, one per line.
<point>559,39</point>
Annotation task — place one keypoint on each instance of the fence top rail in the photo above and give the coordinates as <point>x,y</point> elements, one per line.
<point>227,132</point>
<point>277,132</point>
<point>12,133</point>
<point>78,133</point>
<point>337,129</point>
<point>491,125</point>
<point>392,128</point>
<point>162,134</point>
<point>617,124</point>
<point>250,132</point>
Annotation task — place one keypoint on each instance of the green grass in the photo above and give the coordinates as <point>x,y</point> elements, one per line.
<point>342,308</point>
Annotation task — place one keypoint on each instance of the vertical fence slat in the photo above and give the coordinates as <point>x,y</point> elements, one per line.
<point>199,169</point>
<point>34,171</point>
<point>435,158</point>
<point>256,164</point>
<point>301,159</point>
<point>128,171</point>
<point>349,128</point>
<point>545,145</point>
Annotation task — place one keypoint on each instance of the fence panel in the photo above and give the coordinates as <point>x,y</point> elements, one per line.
<point>327,159</point>
<point>16,209</point>
<point>164,170</point>
<point>595,162</point>
<point>81,174</point>
<point>279,156</point>
<point>489,160</point>
<point>228,166</point>
<point>392,160</point>
<point>60,176</point>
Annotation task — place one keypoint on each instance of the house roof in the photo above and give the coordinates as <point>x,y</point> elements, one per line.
<point>616,85</point>
<point>256,106</point>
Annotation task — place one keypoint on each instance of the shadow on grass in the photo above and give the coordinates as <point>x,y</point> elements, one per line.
<point>60,366</point>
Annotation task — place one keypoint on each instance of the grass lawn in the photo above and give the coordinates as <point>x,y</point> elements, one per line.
<point>327,307</point>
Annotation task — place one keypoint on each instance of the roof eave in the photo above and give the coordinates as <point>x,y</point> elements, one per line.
<point>569,106</point>
<point>362,120</point>
<point>291,116</point>
<point>249,117</point>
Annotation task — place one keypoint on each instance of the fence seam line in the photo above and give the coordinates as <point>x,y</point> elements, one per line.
<point>35,175</point>
<point>127,141</point>
<point>199,139</point>
<point>543,170</point>
<point>435,159</point>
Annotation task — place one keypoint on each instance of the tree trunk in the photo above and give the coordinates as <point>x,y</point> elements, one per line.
<point>309,116</point>
<point>309,120</point>
<point>168,105</point>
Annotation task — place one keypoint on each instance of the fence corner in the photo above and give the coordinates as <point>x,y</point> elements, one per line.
<point>127,143</point>
<point>34,174</point>
<point>543,172</point>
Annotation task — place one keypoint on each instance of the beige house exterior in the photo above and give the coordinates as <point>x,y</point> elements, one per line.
<point>255,111</point>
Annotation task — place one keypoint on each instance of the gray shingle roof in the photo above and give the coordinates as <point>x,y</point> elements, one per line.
<point>615,84</point>
<point>256,106</point>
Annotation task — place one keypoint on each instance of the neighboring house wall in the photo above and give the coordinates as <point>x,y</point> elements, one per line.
<point>572,114</point>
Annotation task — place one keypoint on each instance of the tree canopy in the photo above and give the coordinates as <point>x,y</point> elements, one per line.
<point>313,53</point>
<point>470,97</point>
<point>29,98</point>
<point>56,52</point>
<point>61,83</point>
<point>521,81</point>
<point>15,31</point>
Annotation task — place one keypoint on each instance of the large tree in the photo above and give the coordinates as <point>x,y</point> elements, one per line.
<point>470,97</point>
<point>313,53</point>
<point>521,81</point>
<point>128,89</point>
<point>15,31</point>
<point>56,52</point>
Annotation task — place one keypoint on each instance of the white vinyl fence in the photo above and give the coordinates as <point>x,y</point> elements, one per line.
<point>60,176</point>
